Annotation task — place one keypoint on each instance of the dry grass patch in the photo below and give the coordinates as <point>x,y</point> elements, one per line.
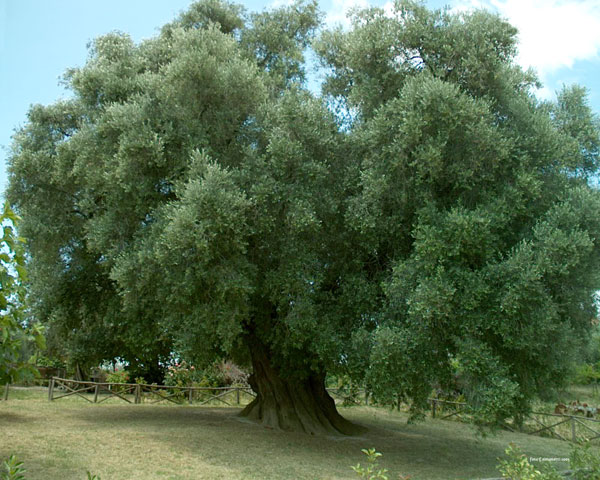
<point>63,439</point>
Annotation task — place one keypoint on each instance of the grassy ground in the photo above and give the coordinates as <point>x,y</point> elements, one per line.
<point>584,393</point>
<point>63,439</point>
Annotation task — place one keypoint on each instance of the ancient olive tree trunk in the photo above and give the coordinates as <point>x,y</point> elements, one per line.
<point>291,405</point>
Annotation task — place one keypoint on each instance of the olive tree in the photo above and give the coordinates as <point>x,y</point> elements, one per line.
<point>425,217</point>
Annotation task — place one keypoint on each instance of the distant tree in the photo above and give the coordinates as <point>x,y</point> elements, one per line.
<point>426,216</point>
<point>14,332</point>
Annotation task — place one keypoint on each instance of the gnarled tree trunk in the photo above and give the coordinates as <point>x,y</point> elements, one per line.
<point>303,406</point>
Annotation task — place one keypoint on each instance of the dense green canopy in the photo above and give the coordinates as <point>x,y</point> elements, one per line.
<point>425,219</point>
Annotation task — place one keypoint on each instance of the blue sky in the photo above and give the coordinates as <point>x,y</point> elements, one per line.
<point>40,39</point>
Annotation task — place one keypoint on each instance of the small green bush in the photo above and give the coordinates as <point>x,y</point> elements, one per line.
<point>180,375</point>
<point>183,375</point>
<point>586,374</point>
<point>371,470</point>
<point>517,467</point>
<point>12,469</point>
<point>585,463</point>
<point>118,376</point>
<point>52,362</point>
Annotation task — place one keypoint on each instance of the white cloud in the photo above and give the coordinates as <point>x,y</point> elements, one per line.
<point>553,34</point>
<point>281,3</point>
<point>466,5</point>
<point>338,13</point>
<point>388,8</point>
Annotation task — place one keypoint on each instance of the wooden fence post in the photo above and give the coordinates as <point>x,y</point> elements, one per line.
<point>51,389</point>
<point>237,395</point>
<point>96,389</point>
<point>6,391</point>
<point>573,430</point>
<point>138,393</point>
<point>366,397</point>
<point>433,405</point>
<point>191,395</point>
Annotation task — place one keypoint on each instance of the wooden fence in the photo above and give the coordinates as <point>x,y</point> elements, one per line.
<point>345,397</point>
<point>437,406</point>
<point>579,429</point>
<point>98,392</point>
<point>138,392</point>
<point>573,428</point>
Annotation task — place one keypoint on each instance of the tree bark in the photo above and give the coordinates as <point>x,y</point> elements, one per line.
<point>302,406</point>
<point>80,373</point>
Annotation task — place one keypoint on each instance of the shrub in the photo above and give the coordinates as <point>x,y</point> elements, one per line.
<point>52,362</point>
<point>231,374</point>
<point>371,470</point>
<point>585,374</point>
<point>180,375</point>
<point>185,375</point>
<point>118,376</point>
<point>517,467</point>
<point>219,374</point>
<point>12,469</point>
<point>585,463</point>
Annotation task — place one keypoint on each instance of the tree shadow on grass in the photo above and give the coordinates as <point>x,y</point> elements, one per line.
<point>156,414</point>
<point>11,417</point>
<point>424,451</point>
<point>431,450</point>
<point>199,438</point>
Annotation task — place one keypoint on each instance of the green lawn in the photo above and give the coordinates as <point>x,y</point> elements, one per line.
<point>63,439</point>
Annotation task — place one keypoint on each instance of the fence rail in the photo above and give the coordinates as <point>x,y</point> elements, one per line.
<point>575,428</point>
<point>572,428</point>
<point>436,402</point>
<point>357,397</point>
<point>102,391</point>
<point>579,428</point>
